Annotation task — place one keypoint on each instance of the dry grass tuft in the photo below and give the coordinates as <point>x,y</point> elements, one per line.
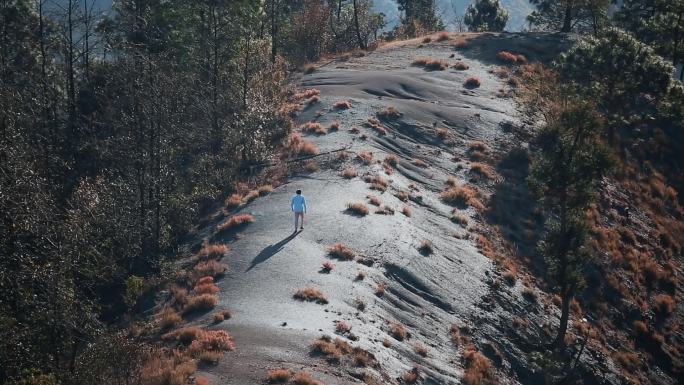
<point>304,378</point>
<point>376,126</point>
<point>357,208</point>
<point>311,294</point>
<point>459,218</point>
<point>222,316</point>
<point>313,128</point>
<point>664,305</point>
<point>235,221</point>
<point>311,165</point>
<point>341,251</point>
<point>461,196</point>
<point>309,69</point>
<point>211,341</point>
<point>461,66</point>
<point>461,44</point>
<point>206,288</point>
<point>342,105</point>
<point>482,169</point>
<point>233,201</point>
<point>385,210</point>
<point>334,126</point>
<point>511,58</point>
<point>169,318</point>
<point>210,268</point>
<point>327,266</point>
<point>391,160</point>
<point>412,376</point>
<point>332,350</point>
<point>389,113</point>
<point>278,375</point>
<point>200,302</point>
<point>442,133</point>
<point>426,247</point>
<point>377,182</point>
<point>478,369</point>
<point>305,94</point>
<point>427,39</point>
<point>349,173</point>
<point>381,288</point>
<point>343,327</point>
<point>420,349</point>
<point>406,210</point>
<point>366,157</point>
<point>472,82</point>
<point>402,196</point>
<point>420,163</point>
<point>361,275</point>
<point>431,64</point>
<point>442,36</point>
<point>173,370</point>
<point>212,251</point>
<point>398,331</point>
<point>374,200</point>
<point>298,146</point>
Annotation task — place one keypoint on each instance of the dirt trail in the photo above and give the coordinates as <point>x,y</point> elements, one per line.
<point>426,293</point>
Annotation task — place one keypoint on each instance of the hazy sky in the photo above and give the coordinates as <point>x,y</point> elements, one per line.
<point>517,9</point>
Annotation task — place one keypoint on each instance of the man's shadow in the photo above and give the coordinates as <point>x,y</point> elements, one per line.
<point>270,251</point>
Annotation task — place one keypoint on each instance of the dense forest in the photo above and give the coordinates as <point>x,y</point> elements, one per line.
<point>118,133</point>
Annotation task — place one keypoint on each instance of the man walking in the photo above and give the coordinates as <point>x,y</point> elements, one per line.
<point>298,205</point>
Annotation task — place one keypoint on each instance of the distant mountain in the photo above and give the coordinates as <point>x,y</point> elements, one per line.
<point>450,9</point>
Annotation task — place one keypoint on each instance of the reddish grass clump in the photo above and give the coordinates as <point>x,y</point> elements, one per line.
<point>305,94</point>
<point>233,201</point>
<point>314,127</point>
<point>311,294</point>
<point>342,105</point>
<point>442,133</point>
<point>431,64</point>
<point>398,331</point>
<point>349,173</point>
<point>209,268</point>
<point>478,369</point>
<point>215,341</point>
<point>173,370</point>
<point>200,303</point>
<point>278,375</point>
<point>412,376</point>
<point>304,378</point>
<point>206,288</point>
<point>420,163</point>
<point>235,221</point>
<point>472,82</point>
<point>420,349</point>
<point>391,160</point>
<point>327,266</point>
<point>334,126</point>
<point>374,200</point>
<point>376,126</point>
<point>212,251</point>
<point>459,218</point>
<point>427,39</point>
<point>461,44</point>
<point>664,305</point>
<point>377,182</point>
<point>343,327</point>
<point>511,58</point>
<point>357,208</point>
<point>389,113</point>
<point>169,318</point>
<point>381,288</point>
<point>442,36</point>
<point>298,146</point>
<point>365,156</point>
<point>332,350</point>
<point>426,247</point>
<point>461,196</point>
<point>222,315</point>
<point>406,210</point>
<point>341,251</point>
<point>482,170</point>
<point>461,66</point>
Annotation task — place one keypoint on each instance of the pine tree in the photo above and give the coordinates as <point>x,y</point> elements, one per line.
<point>486,15</point>
<point>571,160</point>
<point>569,15</point>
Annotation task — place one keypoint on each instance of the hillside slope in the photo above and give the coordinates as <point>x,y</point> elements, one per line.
<point>447,311</point>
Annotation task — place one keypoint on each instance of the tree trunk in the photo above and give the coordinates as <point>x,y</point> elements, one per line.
<point>566,297</point>
<point>567,20</point>
<point>362,44</point>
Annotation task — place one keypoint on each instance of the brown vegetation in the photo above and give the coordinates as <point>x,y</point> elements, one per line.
<point>313,128</point>
<point>365,156</point>
<point>377,182</point>
<point>209,268</point>
<point>478,369</point>
<point>461,66</point>
<point>298,146</point>
<point>278,375</point>
<point>472,82</point>
<point>235,221</point>
<point>200,302</point>
<point>357,208</point>
<point>511,58</point>
<point>389,113</point>
<point>374,200</point>
<point>398,331</point>
<point>406,210</point>
<point>169,318</point>
<point>341,251</point>
<point>304,378</point>
<point>426,247</point>
<point>342,105</point>
<point>431,64</point>
<point>311,294</point>
<point>461,196</point>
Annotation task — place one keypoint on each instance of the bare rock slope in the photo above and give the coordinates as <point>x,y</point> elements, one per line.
<point>420,294</point>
